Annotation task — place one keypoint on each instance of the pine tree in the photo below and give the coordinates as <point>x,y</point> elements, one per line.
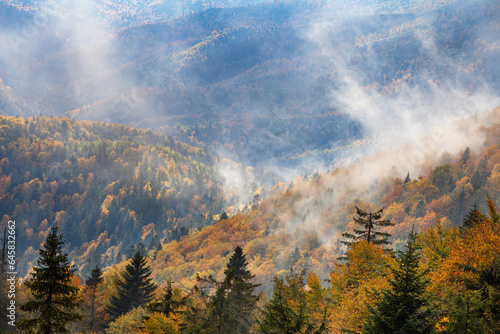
<point>474,216</point>
<point>240,298</point>
<point>53,297</point>
<point>369,221</point>
<point>400,309</point>
<point>407,180</point>
<point>280,317</point>
<point>134,289</point>
<point>481,173</point>
<point>168,304</point>
<point>231,307</point>
<point>465,156</point>
<point>494,216</point>
<point>92,283</point>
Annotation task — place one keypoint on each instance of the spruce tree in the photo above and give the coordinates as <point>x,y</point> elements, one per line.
<point>494,216</point>
<point>135,288</point>
<point>369,222</point>
<point>92,283</point>
<point>54,299</point>
<point>240,298</point>
<point>280,317</point>
<point>473,217</point>
<point>231,306</point>
<point>169,303</point>
<point>400,309</point>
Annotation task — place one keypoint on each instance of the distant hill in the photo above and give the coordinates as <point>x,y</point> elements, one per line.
<point>270,83</point>
<point>100,182</point>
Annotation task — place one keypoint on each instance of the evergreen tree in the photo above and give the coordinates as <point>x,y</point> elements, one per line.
<point>465,156</point>
<point>369,221</point>
<point>420,209</point>
<point>168,304</point>
<point>53,297</point>
<point>480,174</point>
<point>135,288</point>
<point>240,298</point>
<point>231,307</point>
<point>92,284</point>
<point>407,180</point>
<point>400,309</point>
<point>494,216</point>
<point>474,216</point>
<point>280,317</point>
<point>293,258</point>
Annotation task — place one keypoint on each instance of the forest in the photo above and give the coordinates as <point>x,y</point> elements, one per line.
<point>292,258</point>
<point>108,187</point>
<point>249,166</point>
<point>254,82</point>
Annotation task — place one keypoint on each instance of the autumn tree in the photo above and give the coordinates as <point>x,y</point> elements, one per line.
<point>54,299</point>
<point>135,288</point>
<point>400,309</point>
<point>369,221</point>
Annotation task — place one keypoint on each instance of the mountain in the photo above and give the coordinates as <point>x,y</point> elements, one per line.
<point>301,224</point>
<point>272,85</point>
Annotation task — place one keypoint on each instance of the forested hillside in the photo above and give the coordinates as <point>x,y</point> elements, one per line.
<point>269,84</point>
<point>286,252</point>
<point>107,186</point>
<point>302,224</point>
<point>250,167</point>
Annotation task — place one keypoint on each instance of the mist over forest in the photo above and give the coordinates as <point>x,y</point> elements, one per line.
<point>178,130</point>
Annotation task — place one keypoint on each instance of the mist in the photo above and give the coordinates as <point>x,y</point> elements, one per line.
<point>348,81</point>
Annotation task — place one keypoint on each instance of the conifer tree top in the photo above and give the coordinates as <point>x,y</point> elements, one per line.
<point>369,221</point>
<point>53,297</point>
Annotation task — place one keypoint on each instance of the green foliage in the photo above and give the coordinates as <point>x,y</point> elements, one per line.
<point>53,297</point>
<point>92,283</point>
<point>493,211</point>
<point>401,308</point>
<point>369,221</point>
<point>170,302</point>
<point>474,216</point>
<point>286,311</point>
<point>135,288</point>
<point>230,308</point>
<point>129,322</point>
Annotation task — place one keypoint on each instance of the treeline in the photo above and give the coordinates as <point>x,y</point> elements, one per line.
<point>108,187</point>
<point>444,280</point>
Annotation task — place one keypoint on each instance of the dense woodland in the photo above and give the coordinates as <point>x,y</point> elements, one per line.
<point>185,227</point>
<point>293,258</point>
<point>107,186</point>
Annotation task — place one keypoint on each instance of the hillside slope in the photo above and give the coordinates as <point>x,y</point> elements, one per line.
<point>269,84</point>
<point>107,186</point>
<point>302,224</point>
